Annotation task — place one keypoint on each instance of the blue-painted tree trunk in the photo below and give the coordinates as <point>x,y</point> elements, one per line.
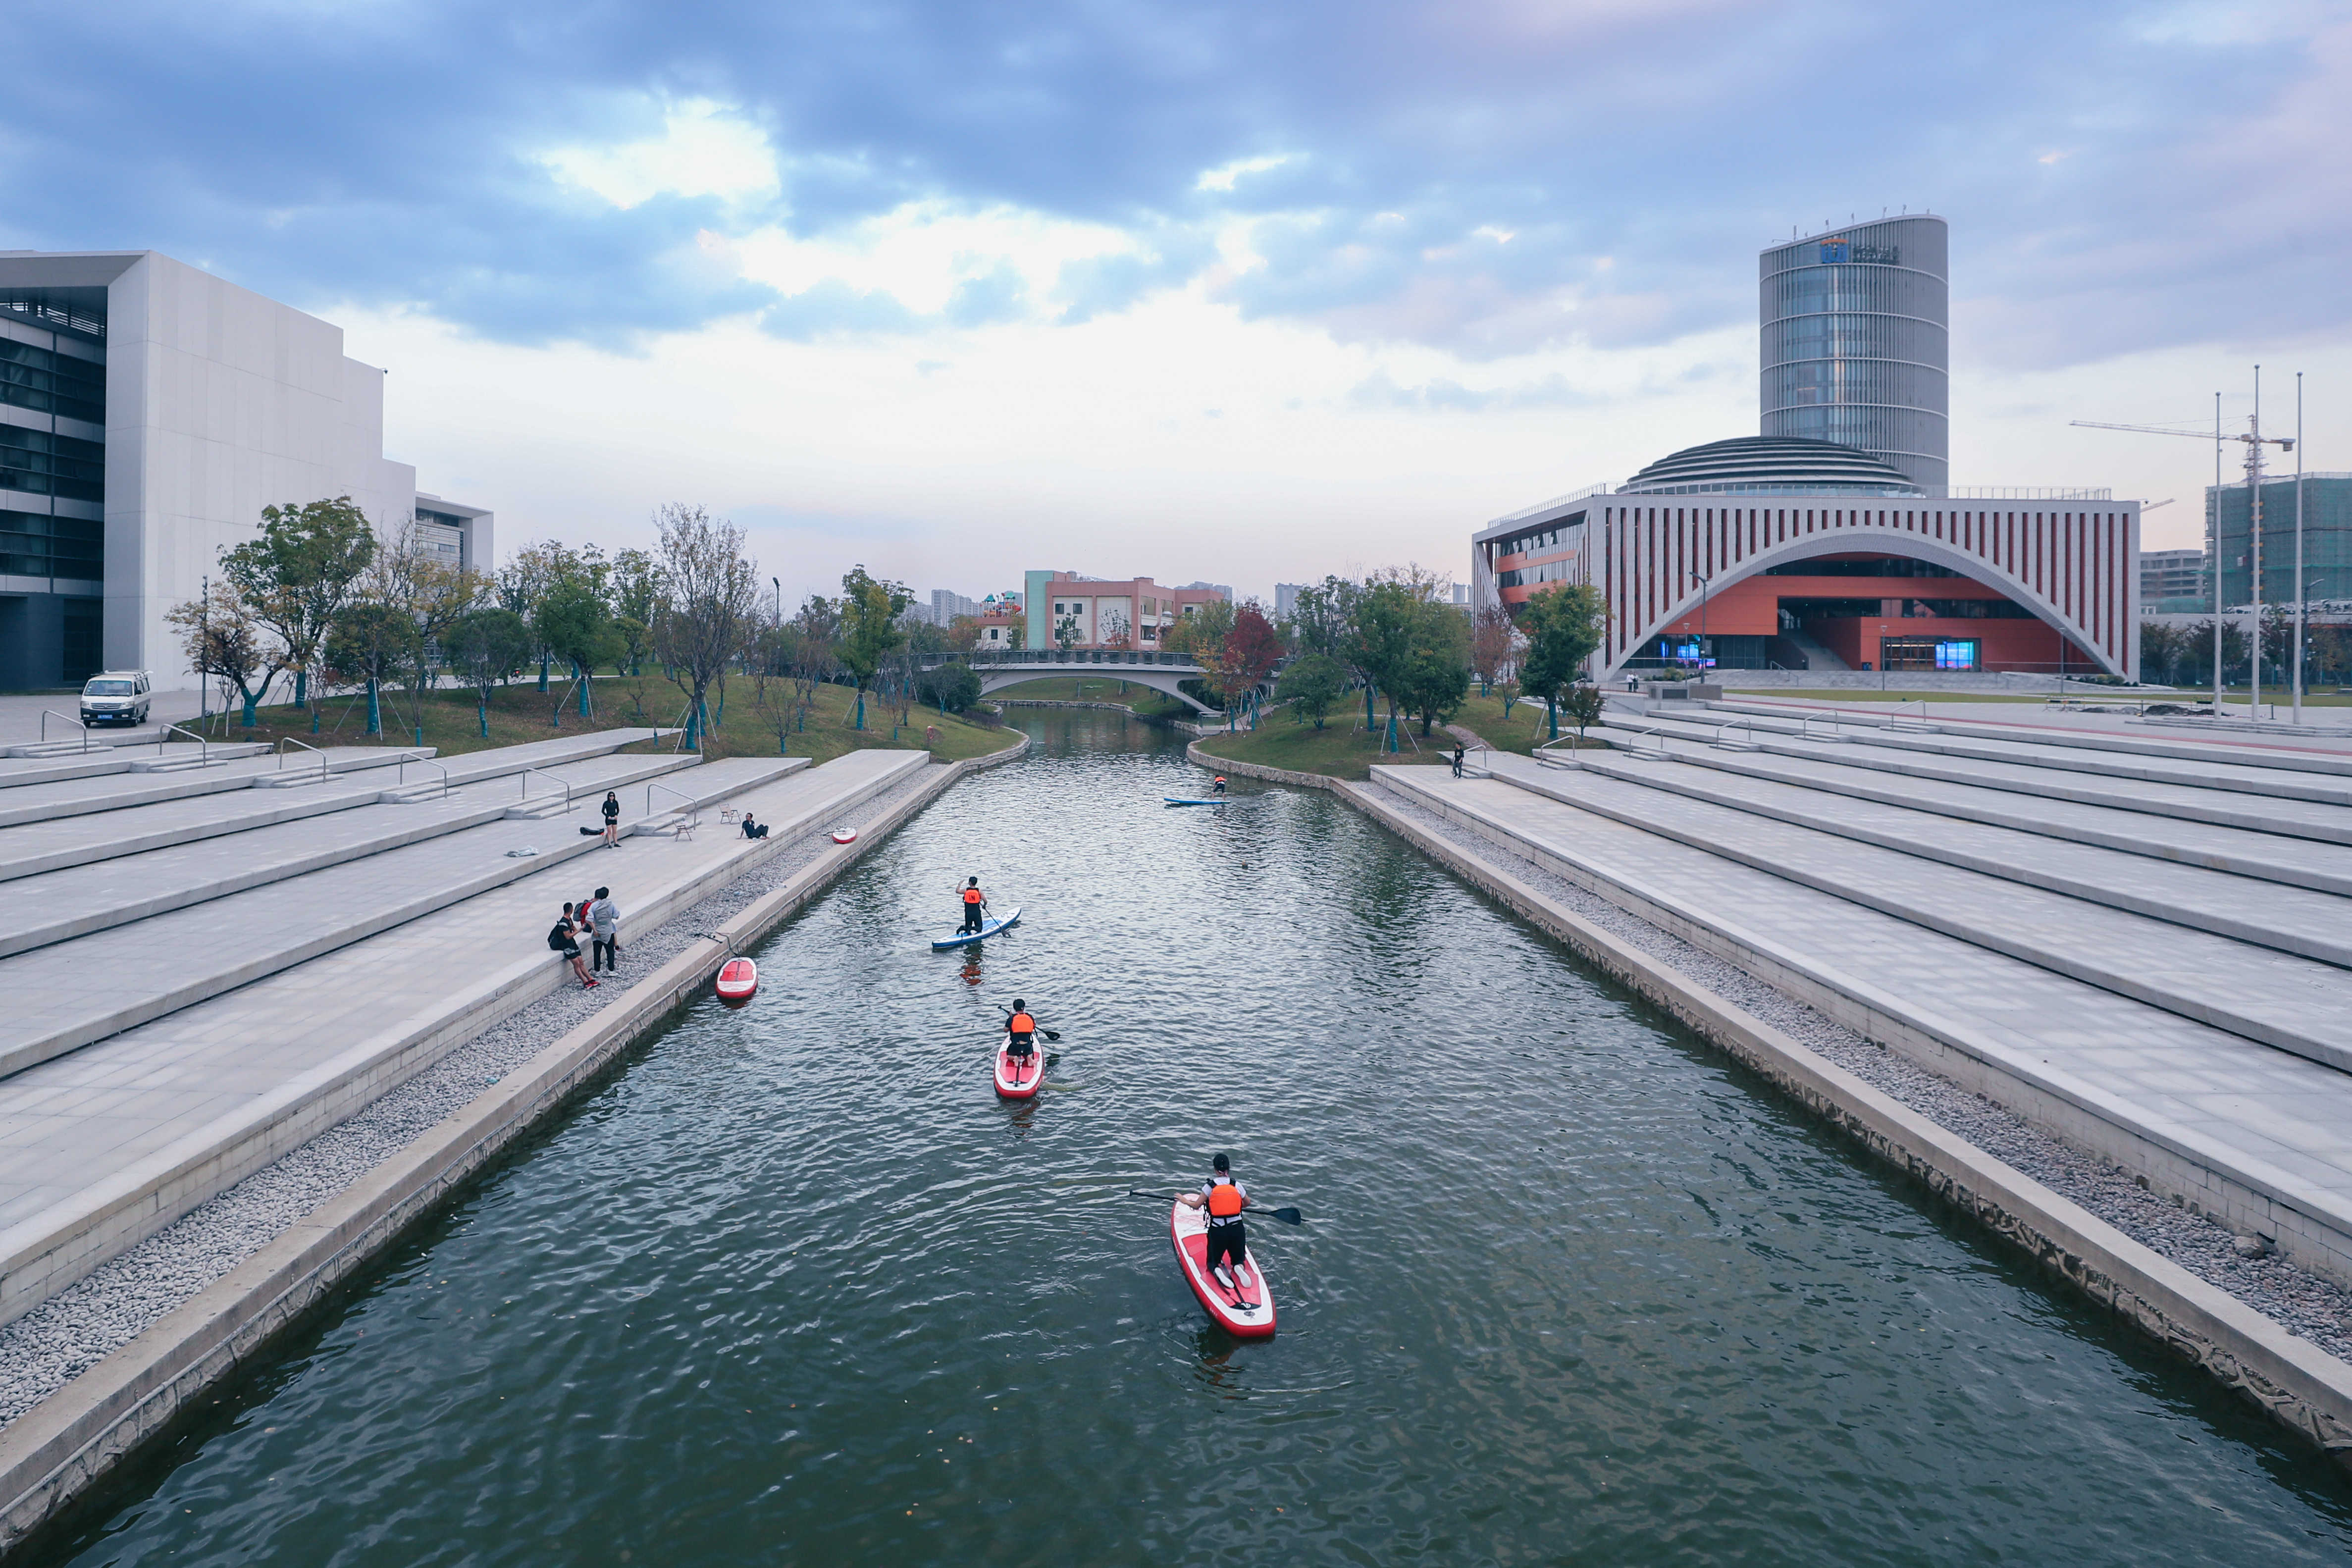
<point>1392,735</point>
<point>482,712</point>
<point>583,689</point>
<point>302,688</point>
<point>375,713</point>
<point>542,675</point>
<point>861,708</point>
<point>1552,707</point>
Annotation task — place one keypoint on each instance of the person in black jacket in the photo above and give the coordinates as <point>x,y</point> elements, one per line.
<point>565,938</point>
<point>611,820</point>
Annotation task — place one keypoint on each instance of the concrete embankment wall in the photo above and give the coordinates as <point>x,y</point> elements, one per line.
<point>59,1449</point>
<point>2299,1386</point>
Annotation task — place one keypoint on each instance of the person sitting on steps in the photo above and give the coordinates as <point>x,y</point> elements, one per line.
<point>565,938</point>
<point>754,829</point>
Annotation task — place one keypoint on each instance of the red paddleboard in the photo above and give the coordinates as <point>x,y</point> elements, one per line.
<point>738,978</point>
<point>1018,1081</point>
<point>1246,1312</point>
<point>845,835</point>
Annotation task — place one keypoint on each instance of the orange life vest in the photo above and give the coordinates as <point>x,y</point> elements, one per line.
<point>1224,1200</point>
<point>971,896</point>
<point>1021,1023</point>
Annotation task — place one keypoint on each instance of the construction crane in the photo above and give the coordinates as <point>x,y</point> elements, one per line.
<point>2254,441</point>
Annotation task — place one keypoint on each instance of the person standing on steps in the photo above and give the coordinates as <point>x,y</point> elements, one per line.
<point>1460,752</point>
<point>565,938</point>
<point>974,902</point>
<point>605,949</point>
<point>612,819</point>
<point>1224,1198</point>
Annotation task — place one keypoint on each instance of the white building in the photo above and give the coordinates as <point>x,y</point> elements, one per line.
<point>945,605</point>
<point>148,412</point>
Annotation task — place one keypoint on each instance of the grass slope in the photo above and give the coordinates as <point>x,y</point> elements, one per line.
<point>521,713</point>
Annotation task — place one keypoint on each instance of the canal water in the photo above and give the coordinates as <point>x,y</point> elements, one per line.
<point>795,1288</point>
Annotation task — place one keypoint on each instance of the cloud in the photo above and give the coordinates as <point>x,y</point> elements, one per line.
<point>1379,391</point>
<point>1392,172</point>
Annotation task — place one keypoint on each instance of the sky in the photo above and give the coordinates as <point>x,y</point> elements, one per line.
<point>1245,292</point>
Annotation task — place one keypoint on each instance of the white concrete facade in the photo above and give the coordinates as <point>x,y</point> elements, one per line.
<point>219,401</point>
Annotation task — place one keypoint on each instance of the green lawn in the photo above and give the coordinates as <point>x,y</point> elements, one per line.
<point>521,713</point>
<point>1344,749</point>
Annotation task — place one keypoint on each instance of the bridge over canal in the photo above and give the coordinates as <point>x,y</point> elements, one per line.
<point>1160,671</point>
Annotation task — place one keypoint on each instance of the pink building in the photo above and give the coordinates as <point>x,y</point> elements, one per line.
<point>1122,613</point>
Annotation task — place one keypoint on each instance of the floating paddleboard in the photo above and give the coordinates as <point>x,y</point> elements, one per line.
<point>845,835</point>
<point>1187,800</point>
<point>1019,1081</point>
<point>988,928</point>
<point>1248,1312</point>
<point>738,978</point>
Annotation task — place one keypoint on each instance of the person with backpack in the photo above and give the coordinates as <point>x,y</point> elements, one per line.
<point>565,938</point>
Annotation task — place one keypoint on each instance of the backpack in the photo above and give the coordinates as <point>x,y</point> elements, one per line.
<point>559,937</point>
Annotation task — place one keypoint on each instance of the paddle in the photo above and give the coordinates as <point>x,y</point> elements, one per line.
<point>1287,1215</point>
<point>1054,1034</point>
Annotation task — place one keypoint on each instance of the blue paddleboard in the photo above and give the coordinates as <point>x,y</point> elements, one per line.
<point>988,928</point>
<point>1186,800</point>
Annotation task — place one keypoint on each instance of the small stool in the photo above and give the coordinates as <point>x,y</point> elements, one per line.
<point>727,814</point>
<point>684,831</point>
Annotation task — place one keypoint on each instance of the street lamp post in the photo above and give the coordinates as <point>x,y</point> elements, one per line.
<point>1882,659</point>
<point>2302,588</point>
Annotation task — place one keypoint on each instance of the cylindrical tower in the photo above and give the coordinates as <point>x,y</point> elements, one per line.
<point>1856,342</point>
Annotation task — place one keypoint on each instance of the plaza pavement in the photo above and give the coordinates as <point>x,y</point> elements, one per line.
<point>181,1095</point>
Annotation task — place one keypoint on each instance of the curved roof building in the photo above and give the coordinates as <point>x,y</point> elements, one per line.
<point>1769,465</point>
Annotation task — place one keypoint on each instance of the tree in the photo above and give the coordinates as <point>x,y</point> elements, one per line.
<point>1494,646</point>
<point>223,640</point>
<point>1563,624</point>
<point>297,573</point>
<point>816,651</point>
<point>533,571</point>
<point>368,644</point>
<point>489,647</point>
<point>950,687</point>
<point>1389,634</point>
<point>1585,705</point>
<point>1313,682</point>
<point>709,595</point>
<point>1066,632</point>
<point>869,626</point>
<point>1115,630</point>
<point>574,625</point>
<point>1242,658</point>
<point>1436,676</point>
<point>636,588</point>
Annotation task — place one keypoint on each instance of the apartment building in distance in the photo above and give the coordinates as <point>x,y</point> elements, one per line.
<point>1108,613</point>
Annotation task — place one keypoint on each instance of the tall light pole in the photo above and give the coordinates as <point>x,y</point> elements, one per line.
<point>2255,514</point>
<point>2301,589</point>
<point>1882,659</point>
<point>779,582</point>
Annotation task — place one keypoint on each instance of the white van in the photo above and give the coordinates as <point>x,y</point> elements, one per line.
<point>117,697</point>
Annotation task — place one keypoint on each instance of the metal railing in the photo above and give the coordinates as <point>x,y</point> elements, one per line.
<point>1808,721</point>
<point>400,769</point>
<point>1744,722</point>
<point>49,713</point>
<point>1112,656</point>
<point>1921,727</point>
<point>286,741</point>
<point>565,785</point>
<point>691,804</point>
<point>204,747</point>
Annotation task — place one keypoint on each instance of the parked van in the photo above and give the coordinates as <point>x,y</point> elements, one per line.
<point>117,697</point>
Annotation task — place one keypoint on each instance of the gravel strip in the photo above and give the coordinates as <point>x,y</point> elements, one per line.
<point>74,1330</point>
<point>2302,1303</point>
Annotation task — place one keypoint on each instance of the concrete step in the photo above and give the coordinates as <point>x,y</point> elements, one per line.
<point>2117,823</point>
<point>92,764</point>
<point>63,995</point>
<point>2295,1003</point>
<point>76,747</point>
<point>2285,911</point>
<point>2229,754</point>
<point>59,906</point>
<point>112,1143</point>
<point>2192,801</point>
<point>2250,1131</point>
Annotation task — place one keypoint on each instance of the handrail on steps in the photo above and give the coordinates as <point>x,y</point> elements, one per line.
<point>204,747</point>
<point>566,783</point>
<point>1806,721</point>
<point>399,773</point>
<point>286,741</point>
<point>49,713</point>
<point>693,806</point>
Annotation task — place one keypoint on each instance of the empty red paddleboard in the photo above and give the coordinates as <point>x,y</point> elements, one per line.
<point>738,978</point>
<point>845,835</point>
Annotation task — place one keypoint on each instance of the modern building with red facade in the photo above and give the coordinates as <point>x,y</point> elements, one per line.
<point>1832,541</point>
<point>1777,552</point>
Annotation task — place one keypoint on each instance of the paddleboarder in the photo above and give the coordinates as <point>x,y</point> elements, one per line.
<point>975,901</point>
<point>1224,1198</point>
<point>1219,787</point>
<point>1020,1032</point>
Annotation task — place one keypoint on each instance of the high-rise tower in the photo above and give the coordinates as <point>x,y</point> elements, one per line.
<point>1856,342</point>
